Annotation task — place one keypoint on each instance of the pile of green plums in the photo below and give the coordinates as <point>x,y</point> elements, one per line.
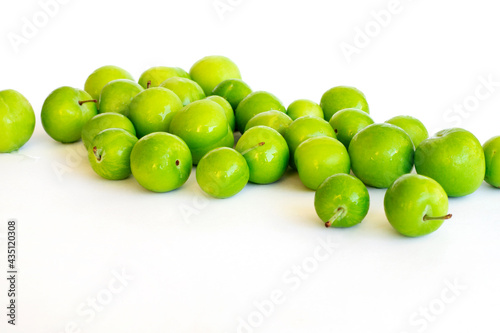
<point>169,120</point>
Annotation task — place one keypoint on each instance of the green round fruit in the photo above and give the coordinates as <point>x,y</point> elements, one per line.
<point>454,158</point>
<point>346,123</point>
<point>17,121</point>
<point>342,97</point>
<point>109,153</point>
<point>412,126</point>
<point>320,157</point>
<point>155,76</point>
<point>341,201</point>
<point>222,172</point>
<point>233,90</point>
<point>416,205</point>
<point>64,113</point>
<point>228,110</point>
<point>117,95</point>
<point>492,159</point>
<point>255,103</point>
<point>102,76</point>
<point>277,120</point>
<point>187,90</point>
<point>161,162</point>
<point>380,154</point>
<point>212,70</point>
<point>304,107</point>
<point>104,121</point>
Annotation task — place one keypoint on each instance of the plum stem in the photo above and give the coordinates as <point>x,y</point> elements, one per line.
<point>338,213</point>
<point>98,157</point>
<point>252,148</point>
<point>149,84</point>
<point>87,101</point>
<point>432,218</point>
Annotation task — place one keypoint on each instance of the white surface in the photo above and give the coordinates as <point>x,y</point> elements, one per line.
<point>198,264</point>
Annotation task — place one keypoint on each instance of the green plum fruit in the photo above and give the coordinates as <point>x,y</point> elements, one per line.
<point>212,70</point>
<point>17,121</point>
<point>228,110</point>
<point>346,123</point>
<point>104,121</point>
<point>253,104</point>
<point>275,119</point>
<point>342,97</point>
<point>304,107</point>
<point>117,95</point>
<point>102,76</point>
<point>187,90</point>
<point>412,126</point>
<point>233,90</point>
<point>492,159</point>
<point>155,76</point>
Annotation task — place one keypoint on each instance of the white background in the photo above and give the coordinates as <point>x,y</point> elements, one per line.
<point>201,265</point>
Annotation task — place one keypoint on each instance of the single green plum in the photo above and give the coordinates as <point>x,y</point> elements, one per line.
<point>102,76</point>
<point>304,107</point>
<point>255,103</point>
<point>212,70</point>
<point>161,162</point>
<point>492,159</point>
<point>64,113</point>
<point>266,153</point>
<point>187,90</point>
<point>412,126</point>
<point>320,157</point>
<point>109,153</point>
<point>155,76</point>
<point>275,119</point>
<point>222,172</point>
<point>416,205</point>
<point>117,95</point>
<point>342,97</point>
<point>17,121</point>
<point>341,201</point>
<point>104,121</point>
<point>346,123</point>
<point>228,110</point>
<point>380,154</point>
<point>454,158</point>
<point>233,90</point>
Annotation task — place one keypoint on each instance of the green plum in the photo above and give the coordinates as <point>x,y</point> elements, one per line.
<point>203,126</point>
<point>253,104</point>
<point>342,97</point>
<point>341,201</point>
<point>222,172</point>
<point>102,76</point>
<point>187,90</point>
<point>212,70</point>
<point>320,157</point>
<point>454,158</point>
<point>155,76</point>
<point>109,153</point>
<point>380,154</point>
<point>266,153</point>
<point>304,128</point>
<point>412,126</point>
<point>228,110</point>
<point>117,95</point>
<point>346,123</point>
<point>17,121</point>
<point>104,121</point>
<point>233,90</point>
<point>64,113</point>
<point>492,159</point>
<point>416,205</point>
<point>275,119</point>
<point>304,107</point>
<point>152,110</point>
<point>161,162</point>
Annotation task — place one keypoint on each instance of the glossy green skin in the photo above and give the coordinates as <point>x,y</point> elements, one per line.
<point>255,103</point>
<point>319,158</point>
<point>233,90</point>
<point>380,154</point>
<point>454,158</point>
<point>228,110</point>
<point>102,76</point>
<point>304,107</point>
<point>409,199</point>
<point>62,116</point>
<point>277,120</point>
<point>109,153</point>
<point>153,109</point>
<point>187,90</point>
<point>267,163</point>
<point>222,173</point>
<point>104,121</point>
<point>412,126</point>
<point>161,162</point>
<point>203,126</point>
<point>17,121</point>
<point>345,192</point>
<point>342,97</point>
<point>346,123</point>
<point>492,159</point>
<point>212,70</point>
<point>304,128</point>
<point>157,75</point>
<point>117,95</point>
